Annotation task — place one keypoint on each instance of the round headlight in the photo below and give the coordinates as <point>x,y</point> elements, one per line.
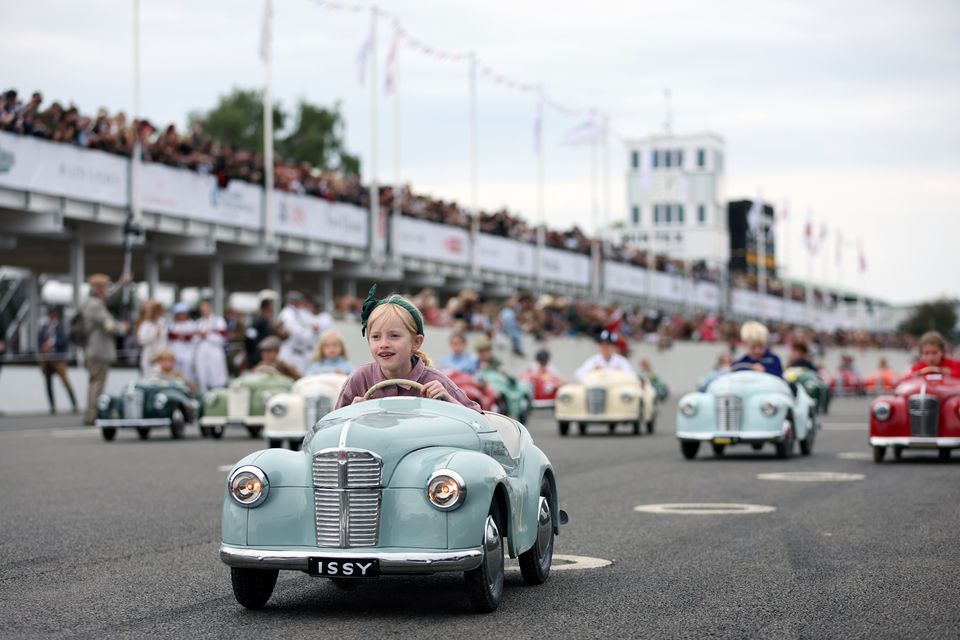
<point>279,410</point>
<point>446,489</point>
<point>768,408</point>
<point>159,401</point>
<point>103,402</point>
<point>248,486</point>
<point>688,409</point>
<point>565,397</point>
<point>627,397</point>
<point>882,411</point>
<point>210,398</point>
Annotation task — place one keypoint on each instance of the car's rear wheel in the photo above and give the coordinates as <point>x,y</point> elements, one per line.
<point>255,432</point>
<point>253,587</point>
<point>108,433</point>
<point>651,425</point>
<point>143,432</point>
<point>564,428</point>
<point>944,454</point>
<point>878,453</point>
<point>718,449</point>
<point>295,445</point>
<point>535,562</point>
<point>637,426</point>
<point>689,448</point>
<point>216,432</point>
<point>485,583</point>
<point>274,443</point>
<point>806,445</point>
<point>204,432</point>
<point>582,428</point>
<point>177,422</point>
<point>611,427</point>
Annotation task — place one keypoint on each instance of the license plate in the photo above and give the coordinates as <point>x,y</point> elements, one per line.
<point>344,568</point>
<point>722,440</point>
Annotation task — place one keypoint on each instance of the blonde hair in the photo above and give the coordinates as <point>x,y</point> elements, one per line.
<point>330,335</point>
<point>405,317</point>
<point>753,332</point>
<point>933,339</point>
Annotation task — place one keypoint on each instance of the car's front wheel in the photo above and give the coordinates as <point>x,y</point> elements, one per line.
<point>253,587</point>
<point>216,432</point>
<point>108,433</point>
<point>718,449</point>
<point>177,422</point>
<point>143,432</point>
<point>274,443</point>
<point>564,428</point>
<point>689,448</point>
<point>485,583</point>
<point>295,445</point>
<point>651,425</point>
<point>785,446</point>
<point>878,453</point>
<point>255,432</point>
<point>806,445</point>
<point>944,453</point>
<point>535,562</point>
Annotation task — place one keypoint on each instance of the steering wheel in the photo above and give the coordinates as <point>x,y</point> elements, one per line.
<point>392,382</point>
<point>926,370</point>
<point>743,366</point>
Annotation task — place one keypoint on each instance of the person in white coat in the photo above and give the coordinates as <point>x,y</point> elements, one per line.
<point>607,357</point>
<point>180,339</point>
<point>302,332</point>
<point>151,334</point>
<point>210,357</point>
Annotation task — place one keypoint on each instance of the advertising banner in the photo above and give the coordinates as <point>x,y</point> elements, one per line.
<point>495,253</point>
<point>58,169</point>
<point>318,219</point>
<point>664,286</point>
<point>707,295</point>
<point>179,192</point>
<point>625,278</point>
<point>431,241</point>
<point>565,266</point>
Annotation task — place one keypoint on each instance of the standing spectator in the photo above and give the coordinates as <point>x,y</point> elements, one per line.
<point>210,356</point>
<point>180,335</point>
<point>301,330</point>
<point>53,345</point>
<point>510,321</point>
<point>263,326</point>
<point>100,330</point>
<point>151,334</point>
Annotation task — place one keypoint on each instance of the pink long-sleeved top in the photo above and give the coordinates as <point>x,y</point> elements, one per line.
<point>370,374</point>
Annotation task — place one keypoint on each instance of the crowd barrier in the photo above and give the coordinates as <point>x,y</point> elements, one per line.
<point>62,170</point>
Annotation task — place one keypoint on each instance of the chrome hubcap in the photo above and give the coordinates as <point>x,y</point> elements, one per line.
<point>544,533</point>
<point>493,553</point>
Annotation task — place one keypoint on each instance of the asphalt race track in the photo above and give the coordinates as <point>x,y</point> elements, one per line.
<point>119,540</point>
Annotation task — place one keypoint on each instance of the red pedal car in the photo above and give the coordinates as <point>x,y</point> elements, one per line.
<point>545,386</point>
<point>477,390</point>
<point>923,413</point>
<point>847,383</point>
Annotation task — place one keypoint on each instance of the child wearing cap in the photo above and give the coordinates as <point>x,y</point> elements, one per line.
<point>605,358</point>
<point>754,336</point>
<point>394,331</point>
<point>270,361</point>
<point>165,362</point>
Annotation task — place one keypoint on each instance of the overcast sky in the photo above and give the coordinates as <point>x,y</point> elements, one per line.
<point>848,110</point>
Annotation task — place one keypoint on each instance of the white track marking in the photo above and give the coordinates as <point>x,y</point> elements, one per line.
<point>811,476</point>
<point>706,508</point>
<point>855,455</point>
<point>225,467</point>
<point>570,563</point>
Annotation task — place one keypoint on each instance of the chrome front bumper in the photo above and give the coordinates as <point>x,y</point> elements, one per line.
<point>914,441</point>
<point>223,421</point>
<point>391,562</point>
<point>132,422</point>
<point>734,436</point>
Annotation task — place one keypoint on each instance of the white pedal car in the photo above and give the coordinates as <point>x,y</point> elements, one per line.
<point>291,415</point>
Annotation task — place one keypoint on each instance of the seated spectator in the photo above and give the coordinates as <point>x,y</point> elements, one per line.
<point>754,337</point>
<point>330,355</point>
<point>165,362</point>
<point>485,358</point>
<point>459,359</point>
<point>270,362</point>
<point>847,364</point>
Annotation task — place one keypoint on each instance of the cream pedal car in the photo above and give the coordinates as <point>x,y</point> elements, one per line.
<point>606,397</point>
<point>291,415</point>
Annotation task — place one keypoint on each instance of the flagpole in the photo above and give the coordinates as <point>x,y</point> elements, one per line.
<point>761,247</point>
<point>809,287</point>
<point>474,205</point>
<point>268,220</point>
<point>395,87</point>
<point>594,204</point>
<point>136,213</point>
<point>541,209</point>
<point>374,225</point>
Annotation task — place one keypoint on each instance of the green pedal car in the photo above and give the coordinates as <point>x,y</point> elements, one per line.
<point>242,404</point>
<point>148,403</point>
<point>399,485</point>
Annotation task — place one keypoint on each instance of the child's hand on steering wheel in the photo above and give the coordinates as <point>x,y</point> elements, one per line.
<point>436,391</point>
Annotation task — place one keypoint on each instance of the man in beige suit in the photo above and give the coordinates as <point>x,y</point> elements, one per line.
<point>101,330</point>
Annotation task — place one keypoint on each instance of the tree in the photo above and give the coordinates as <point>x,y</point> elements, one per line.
<point>315,138</point>
<point>938,315</point>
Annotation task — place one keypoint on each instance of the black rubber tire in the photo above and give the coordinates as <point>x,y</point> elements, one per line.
<point>611,427</point>
<point>216,432</point>
<point>143,432</point>
<point>637,427</point>
<point>253,587</point>
<point>255,432</point>
<point>582,428</point>
<point>108,433</point>
<point>274,443</point>
<point>689,448</point>
<point>757,446</point>
<point>897,453</point>
<point>177,423</point>
<point>204,432</point>
<point>295,445</point>
<point>651,426</point>
<point>485,589</point>
<point>785,446</point>
<point>944,454</point>
<point>534,564</point>
<point>718,449</point>
<point>564,428</point>
<point>806,445</point>
<point>878,453</point>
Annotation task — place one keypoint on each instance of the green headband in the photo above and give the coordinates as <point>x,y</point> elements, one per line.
<point>372,303</point>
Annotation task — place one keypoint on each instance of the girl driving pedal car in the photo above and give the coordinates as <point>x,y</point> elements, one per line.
<point>394,331</point>
<point>933,353</point>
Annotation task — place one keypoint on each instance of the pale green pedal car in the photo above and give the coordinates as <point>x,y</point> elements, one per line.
<point>747,407</point>
<point>243,403</point>
<point>399,485</point>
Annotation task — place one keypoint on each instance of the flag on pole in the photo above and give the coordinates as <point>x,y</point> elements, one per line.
<point>538,126</point>
<point>861,257</point>
<point>362,55</point>
<point>390,66</point>
<point>838,257</point>
<point>808,241</point>
<point>588,132</point>
<point>265,31</point>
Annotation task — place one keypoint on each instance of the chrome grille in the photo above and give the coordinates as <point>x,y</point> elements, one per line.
<point>347,498</point>
<point>729,413</point>
<point>133,404</point>
<point>316,407</point>
<point>238,402</point>
<point>924,415</point>
<point>596,400</point>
